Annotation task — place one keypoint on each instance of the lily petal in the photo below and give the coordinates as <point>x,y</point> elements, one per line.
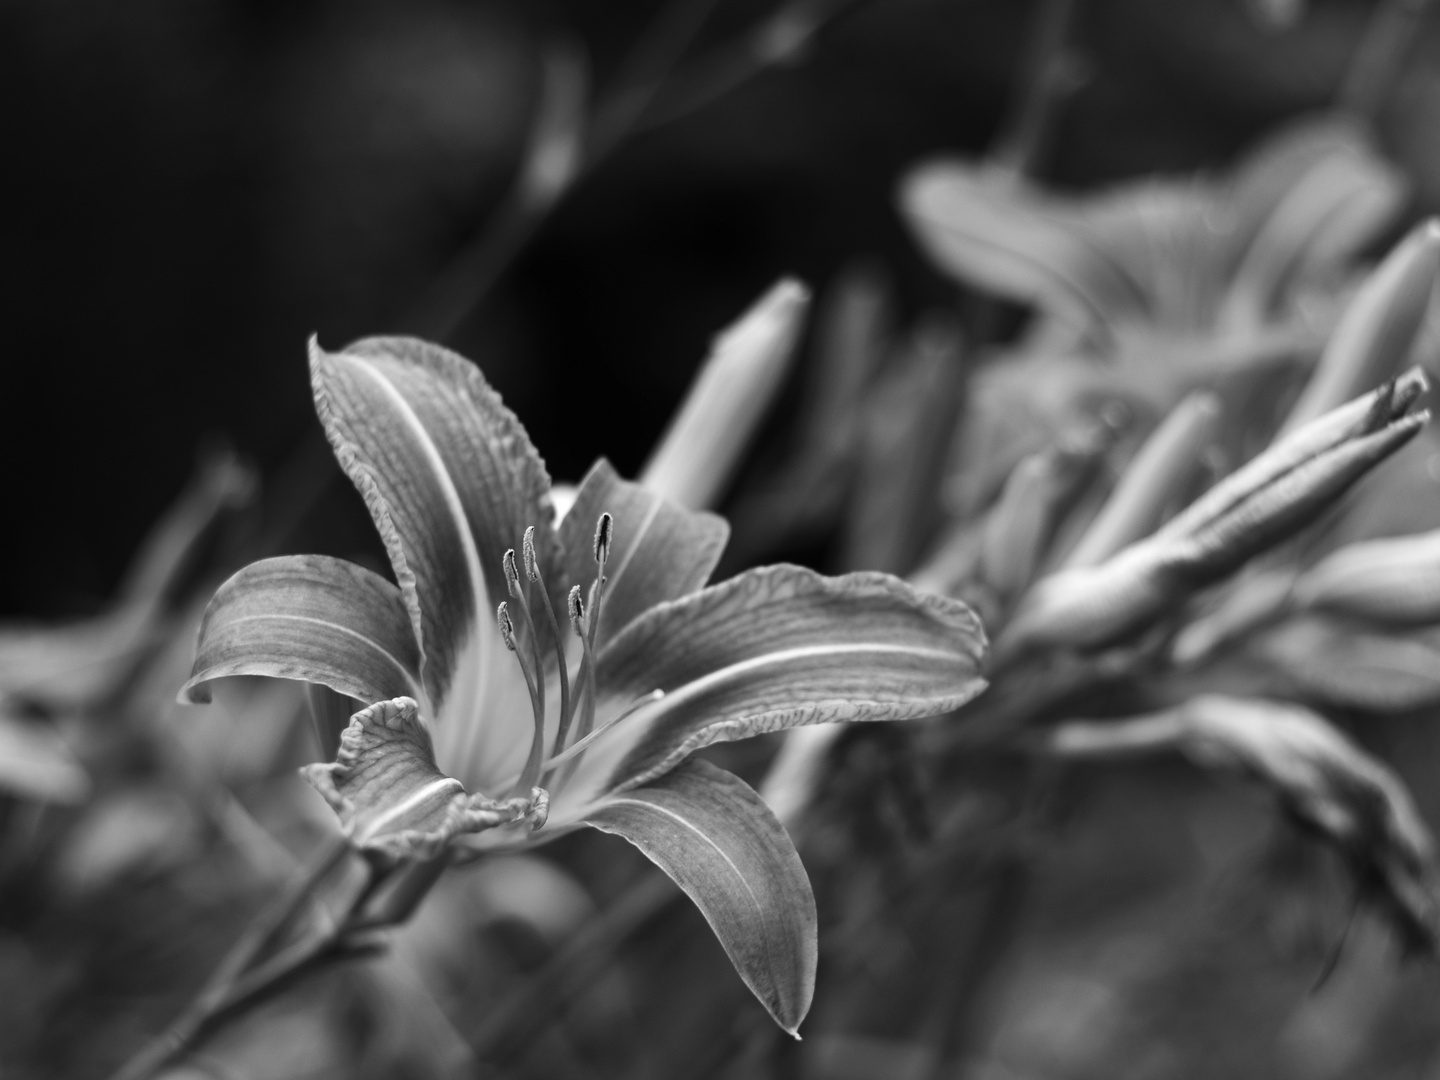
<point>308,617</point>
<point>774,648</point>
<point>452,481</point>
<point>995,232</point>
<point>391,798</point>
<point>660,550</point>
<point>720,843</point>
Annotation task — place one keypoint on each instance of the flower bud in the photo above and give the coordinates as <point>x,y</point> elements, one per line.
<point>1395,580</point>
<point>1279,492</point>
<point>1164,464</point>
<point>1378,329</point>
<point>729,397</point>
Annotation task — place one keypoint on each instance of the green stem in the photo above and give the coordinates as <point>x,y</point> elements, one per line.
<point>220,988</point>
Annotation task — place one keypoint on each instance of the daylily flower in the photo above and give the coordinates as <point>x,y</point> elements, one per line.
<point>1152,288</point>
<point>487,719</point>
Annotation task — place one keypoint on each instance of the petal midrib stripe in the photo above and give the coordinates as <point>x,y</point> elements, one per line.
<point>732,672</point>
<point>687,823</point>
<point>448,489</point>
<point>311,619</point>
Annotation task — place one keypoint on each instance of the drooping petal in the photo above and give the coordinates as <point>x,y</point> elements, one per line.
<point>715,837</point>
<point>775,648</point>
<point>994,232</point>
<point>660,551</point>
<point>312,618</point>
<point>1307,203</point>
<point>391,798</point>
<point>452,481</point>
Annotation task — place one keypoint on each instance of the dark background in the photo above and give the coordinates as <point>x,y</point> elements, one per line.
<point>195,186</point>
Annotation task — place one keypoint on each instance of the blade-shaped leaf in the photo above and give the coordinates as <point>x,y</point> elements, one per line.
<point>450,477</point>
<point>774,648</point>
<point>714,836</point>
<point>308,617</point>
<point>659,551</point>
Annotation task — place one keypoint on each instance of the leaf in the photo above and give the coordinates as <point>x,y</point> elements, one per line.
<point>388,793</point>
<point>1332,662</point>
<point>659,550</point>
<point>450,478</point>
<point>775,648</point>
<point>36,764</point>
<point>308,617</point>
<point>713,835</point>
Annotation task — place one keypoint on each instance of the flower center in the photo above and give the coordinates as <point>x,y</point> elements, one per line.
<point>532,659</point>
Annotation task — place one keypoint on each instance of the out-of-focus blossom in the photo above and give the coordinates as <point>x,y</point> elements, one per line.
<point>1265,501</point>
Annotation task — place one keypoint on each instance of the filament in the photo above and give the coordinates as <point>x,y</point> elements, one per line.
<point>535,685</point>
<point>580,745</point>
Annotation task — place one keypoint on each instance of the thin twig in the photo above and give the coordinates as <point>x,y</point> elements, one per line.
<point>629,109</point>
<point>1046,77</point>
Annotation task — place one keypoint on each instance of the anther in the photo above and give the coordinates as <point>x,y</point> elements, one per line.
<point>527,549</point>
<point>603,529</point>
<point>577,612</point>
<point>512,576</point>
<point>507,628</point>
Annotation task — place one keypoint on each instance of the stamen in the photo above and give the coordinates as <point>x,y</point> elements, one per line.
<point>580,745</point>
<point>604,531</point>
<point>535,685</point>
<point>507,634</point>
<point>532,571</point>
<point>584,678</point>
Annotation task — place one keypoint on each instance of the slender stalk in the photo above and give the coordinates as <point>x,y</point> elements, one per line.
<point>219,990</point>
<point>630,108</point>
<point>1046,77</point>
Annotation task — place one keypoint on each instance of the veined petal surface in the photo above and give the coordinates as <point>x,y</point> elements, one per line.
<point>308,617</point>
<point>774,648</point>
<point>714,836</point>
<point>452,481</point>
<point>660,550</point>
<point>390,797</point>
